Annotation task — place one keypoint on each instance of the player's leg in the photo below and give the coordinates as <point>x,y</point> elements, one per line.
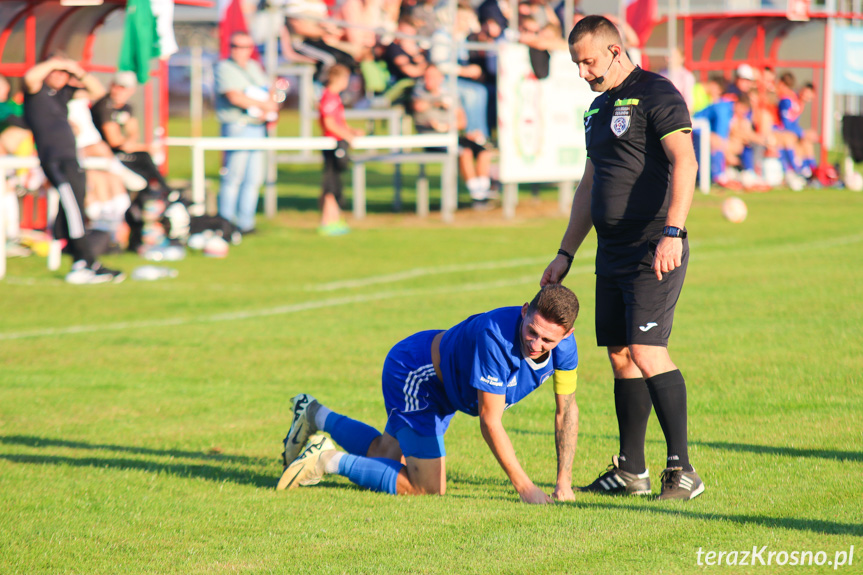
<point>310,417</point>
<point>627,473</point>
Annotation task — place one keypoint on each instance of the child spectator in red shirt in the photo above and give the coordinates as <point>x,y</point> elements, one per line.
<point>333,124</point>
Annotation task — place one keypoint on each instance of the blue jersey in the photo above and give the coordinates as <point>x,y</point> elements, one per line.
<point>484,353</point>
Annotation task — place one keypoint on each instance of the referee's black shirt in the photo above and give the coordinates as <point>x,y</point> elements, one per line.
<point>624,128</point>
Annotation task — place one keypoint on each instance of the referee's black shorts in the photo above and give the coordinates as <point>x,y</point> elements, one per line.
<point>637,308</point>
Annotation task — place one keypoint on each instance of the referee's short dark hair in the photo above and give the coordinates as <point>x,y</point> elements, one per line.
<point>597,26</point>
<point>556,304</point>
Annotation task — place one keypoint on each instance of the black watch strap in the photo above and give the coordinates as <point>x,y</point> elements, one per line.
<point>673,232</point>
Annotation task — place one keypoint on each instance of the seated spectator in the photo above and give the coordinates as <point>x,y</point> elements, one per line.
<point>744,81</point>
<point>497,10</point>
<point>743,144</point>
<point>794,142</point>
<point>433,112</point>
<point>472,91</point>
<point>718,114</point>
<point>405,59</point>
<point>16,138</point>
<point>317,40</point>
<point>106,200</point>
<point>114,117</point>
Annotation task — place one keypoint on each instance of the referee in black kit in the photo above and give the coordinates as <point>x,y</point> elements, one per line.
<point>636,191</point>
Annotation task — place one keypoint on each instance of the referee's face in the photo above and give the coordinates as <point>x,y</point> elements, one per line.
<point>594,60</point>
<point>538,335</point>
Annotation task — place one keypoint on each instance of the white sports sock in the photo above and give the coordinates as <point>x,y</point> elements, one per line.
<point>475,188</point>
<point>321,417</point>
<point>332,466</point>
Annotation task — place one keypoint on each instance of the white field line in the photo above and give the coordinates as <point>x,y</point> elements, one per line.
<point>280,310</point>
<point>408,274</point>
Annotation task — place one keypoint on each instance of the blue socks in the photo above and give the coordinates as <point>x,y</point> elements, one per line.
<point>354,436</point>
<point>377,474</point>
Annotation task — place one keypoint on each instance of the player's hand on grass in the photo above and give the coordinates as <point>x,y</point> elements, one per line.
<point>535,496</point>
<point>555,272</point>
<point>563,493</point>
<point>669,255</point>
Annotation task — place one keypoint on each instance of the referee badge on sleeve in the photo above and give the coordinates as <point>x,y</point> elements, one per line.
<point>620,120</point>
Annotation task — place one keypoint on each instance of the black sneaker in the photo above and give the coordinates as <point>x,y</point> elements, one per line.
<point>679,484</point>
<point>102,274</point>
<point>615,481</point>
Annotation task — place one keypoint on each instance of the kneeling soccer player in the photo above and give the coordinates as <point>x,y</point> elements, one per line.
<point>481,366</point>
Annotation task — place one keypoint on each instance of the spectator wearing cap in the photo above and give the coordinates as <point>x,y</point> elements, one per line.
<point>744,81</point>
<point>115,119</point>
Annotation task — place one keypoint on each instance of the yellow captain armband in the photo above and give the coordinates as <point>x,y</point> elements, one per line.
<point>565,382</point>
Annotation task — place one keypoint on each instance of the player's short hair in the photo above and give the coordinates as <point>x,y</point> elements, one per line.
<point>596,26</point>
<point>338,71</point>
<point>556,304</point>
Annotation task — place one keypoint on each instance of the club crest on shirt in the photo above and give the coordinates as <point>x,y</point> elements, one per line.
<point>621,119</point>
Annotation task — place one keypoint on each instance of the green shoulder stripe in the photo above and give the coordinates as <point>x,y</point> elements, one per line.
<point>675,131</point>
<point>627,102</point>
<point>591,112</point>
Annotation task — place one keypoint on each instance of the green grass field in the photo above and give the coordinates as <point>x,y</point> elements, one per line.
<point>141,423</point>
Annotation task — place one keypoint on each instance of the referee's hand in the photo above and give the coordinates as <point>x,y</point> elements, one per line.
<point>555,272</point>
<point>668,255</point>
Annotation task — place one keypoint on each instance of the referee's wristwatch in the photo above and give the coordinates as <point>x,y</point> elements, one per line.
<point>673,232</point>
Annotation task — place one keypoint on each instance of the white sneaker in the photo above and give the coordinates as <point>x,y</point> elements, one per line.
<point>307,469</point>
<point>80,274</point>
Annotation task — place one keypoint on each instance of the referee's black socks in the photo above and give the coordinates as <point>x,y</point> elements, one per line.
<point>668,392</point>
<point>632,404</point>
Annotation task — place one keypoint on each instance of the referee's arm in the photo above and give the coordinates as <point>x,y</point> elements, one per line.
<point>681,154</point>
<point>577,229</point>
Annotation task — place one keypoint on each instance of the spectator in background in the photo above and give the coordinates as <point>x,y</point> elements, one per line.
<point>404,58</point>
<point>718,114</point>
<point>433,112</point>
<point>333,125</point>
<point>243,106</point>
<point>114,117</point>
<point>13,129</point>
<point>472,92</point>
<point>45,99</point>
<point>794,142</point>
<point>107,200</point>
<point>314,39</point>
<point>744,81</point>
<point>498,11</point>
<point>683,79</point>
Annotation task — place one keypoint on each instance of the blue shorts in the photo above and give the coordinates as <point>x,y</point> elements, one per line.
<point>418,412</point>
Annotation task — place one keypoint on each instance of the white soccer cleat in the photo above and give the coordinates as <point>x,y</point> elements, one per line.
<point>307,469</point>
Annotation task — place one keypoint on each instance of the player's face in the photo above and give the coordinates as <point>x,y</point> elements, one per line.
<point>593,58</point>
<point>538,335</point>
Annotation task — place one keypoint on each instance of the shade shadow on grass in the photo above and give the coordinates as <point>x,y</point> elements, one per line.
<point>729,446</point>
<point>671,509</point>
<point>783,451</point>
<point>212,466</point>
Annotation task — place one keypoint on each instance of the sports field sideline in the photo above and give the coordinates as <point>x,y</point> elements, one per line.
<point>141,424</point>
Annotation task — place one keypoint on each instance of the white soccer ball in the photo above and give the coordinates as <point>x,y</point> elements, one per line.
<point>734,210</point>
<point>216,247</point>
